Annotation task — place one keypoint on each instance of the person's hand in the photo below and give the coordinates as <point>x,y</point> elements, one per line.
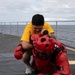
<point>18,52</point>
<point>52,36</point>
<point>44,32</point>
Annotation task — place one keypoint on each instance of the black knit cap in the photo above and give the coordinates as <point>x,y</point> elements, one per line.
<point>38,20</point>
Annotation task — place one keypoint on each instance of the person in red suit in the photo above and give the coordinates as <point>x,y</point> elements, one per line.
<point>49,56</point>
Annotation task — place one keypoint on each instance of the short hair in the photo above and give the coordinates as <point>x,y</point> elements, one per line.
<point>38,19</point>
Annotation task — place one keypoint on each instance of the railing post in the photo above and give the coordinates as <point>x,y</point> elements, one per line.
<point>10,28</point>
<point>0,28</point>
<point>56,29</point>
<point>26,22</point>
<point>17,30</point>
<point>4,27</point>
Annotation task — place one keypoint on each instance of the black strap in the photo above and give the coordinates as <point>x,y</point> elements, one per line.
<point>55,53</point>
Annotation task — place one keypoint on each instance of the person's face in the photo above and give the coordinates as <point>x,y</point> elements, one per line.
<point>37,29</point>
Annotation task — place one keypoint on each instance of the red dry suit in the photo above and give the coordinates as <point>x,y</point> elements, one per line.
<point>55,61</point>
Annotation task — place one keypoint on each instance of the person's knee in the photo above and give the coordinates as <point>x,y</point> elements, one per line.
<point>26,56</point>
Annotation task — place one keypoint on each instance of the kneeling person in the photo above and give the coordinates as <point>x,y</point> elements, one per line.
<point>36,26</point>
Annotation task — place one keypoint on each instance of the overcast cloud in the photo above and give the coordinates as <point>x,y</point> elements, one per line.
<point>23,10</point>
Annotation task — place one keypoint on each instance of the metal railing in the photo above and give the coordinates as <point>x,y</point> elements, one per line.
<point>64,30</point>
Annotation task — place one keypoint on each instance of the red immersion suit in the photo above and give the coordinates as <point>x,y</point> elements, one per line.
<point>55,61</point>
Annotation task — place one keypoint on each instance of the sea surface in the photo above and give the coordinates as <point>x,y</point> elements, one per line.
<point>64,33</point>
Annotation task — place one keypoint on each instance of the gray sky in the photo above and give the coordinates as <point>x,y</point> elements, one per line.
<point>23,10</point>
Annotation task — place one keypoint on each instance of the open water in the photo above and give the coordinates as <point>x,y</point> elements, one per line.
<point>65,33</point>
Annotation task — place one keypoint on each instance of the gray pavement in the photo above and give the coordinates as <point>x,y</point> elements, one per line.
<point>11,66</point>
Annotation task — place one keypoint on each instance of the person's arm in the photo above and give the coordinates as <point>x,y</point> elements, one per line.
<point>25,39</point>
<point>47,27</point>
<point>26,45</point>
<point>52,35</point>
<point>63,67</point>
<point>44,32</point>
